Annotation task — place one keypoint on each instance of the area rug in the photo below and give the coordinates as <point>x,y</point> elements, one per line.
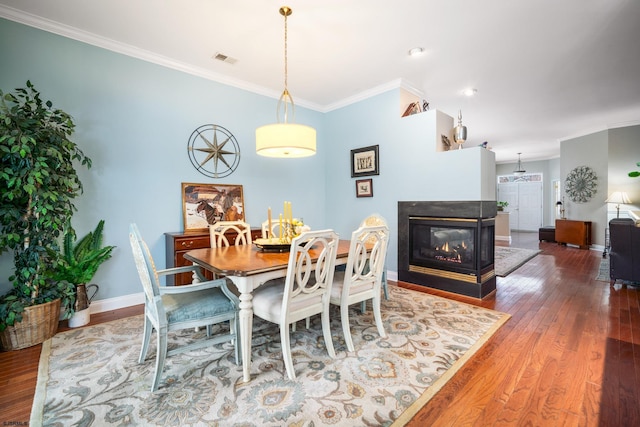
<point>508,259</point>
<point>603,271</point>
<point>90,376</point>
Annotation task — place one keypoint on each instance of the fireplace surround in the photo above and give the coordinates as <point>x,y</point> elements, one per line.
<point>448,245</point>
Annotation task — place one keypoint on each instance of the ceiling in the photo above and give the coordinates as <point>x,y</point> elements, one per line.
<point>544,70</point>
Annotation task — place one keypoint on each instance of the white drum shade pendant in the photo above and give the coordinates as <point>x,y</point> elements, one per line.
<point>284,139</point>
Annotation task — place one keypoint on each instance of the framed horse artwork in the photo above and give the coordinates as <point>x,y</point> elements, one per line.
<point>206,204</point>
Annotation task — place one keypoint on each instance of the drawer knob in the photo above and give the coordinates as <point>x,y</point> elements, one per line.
<point>187,245</point>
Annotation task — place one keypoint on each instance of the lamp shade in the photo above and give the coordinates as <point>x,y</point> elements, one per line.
<point>619,197</point>
<point>286,140</point>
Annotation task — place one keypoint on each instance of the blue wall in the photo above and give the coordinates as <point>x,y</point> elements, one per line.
<point>134,119</point>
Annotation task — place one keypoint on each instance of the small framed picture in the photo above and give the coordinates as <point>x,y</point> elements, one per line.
<point>205,204</point>
<point>365,161</point>
<point>364,187</point>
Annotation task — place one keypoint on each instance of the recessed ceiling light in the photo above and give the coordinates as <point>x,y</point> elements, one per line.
<point>416,51</point>
<point>470,91</point>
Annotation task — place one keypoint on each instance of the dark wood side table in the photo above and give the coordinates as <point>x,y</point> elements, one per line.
<point>573,232</point>
<point>180,242</point>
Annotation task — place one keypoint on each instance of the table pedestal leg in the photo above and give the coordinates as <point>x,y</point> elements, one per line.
<point>246,328</point>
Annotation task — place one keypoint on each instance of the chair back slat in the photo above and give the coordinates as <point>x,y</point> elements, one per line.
<point>274,232</point>
<point>365,263</point>
<point>308,283</point>
<point>144,263</point>
<point>218,231</point>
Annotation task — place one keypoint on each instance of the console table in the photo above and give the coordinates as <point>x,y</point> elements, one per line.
<point>573,232</point>
<point>180,242</point>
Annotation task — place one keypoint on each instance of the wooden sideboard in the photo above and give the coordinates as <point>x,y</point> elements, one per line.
<point>573,232</point>
<point>179,242</point>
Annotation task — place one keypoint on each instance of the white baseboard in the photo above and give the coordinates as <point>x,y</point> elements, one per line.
<point>506,238</point>
<point>392,275</point>
<point>115,303</point>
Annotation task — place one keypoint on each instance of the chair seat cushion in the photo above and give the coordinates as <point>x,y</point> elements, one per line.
<point>338,281</point>
<point>267,301</point>
<point>196,305</point>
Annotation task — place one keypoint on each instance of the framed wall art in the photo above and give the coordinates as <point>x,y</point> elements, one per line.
<point>364,187</point>
<point>205,204</point>
<point>365,161</point>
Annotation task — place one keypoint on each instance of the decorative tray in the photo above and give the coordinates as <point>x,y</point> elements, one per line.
<point>272,245</point>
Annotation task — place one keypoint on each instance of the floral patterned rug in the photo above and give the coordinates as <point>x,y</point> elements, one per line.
<point>90,376</point>
<point>508,259</point>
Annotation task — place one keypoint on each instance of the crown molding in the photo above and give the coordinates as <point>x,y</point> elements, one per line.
<point>600,129</point>
<point>394,84</point>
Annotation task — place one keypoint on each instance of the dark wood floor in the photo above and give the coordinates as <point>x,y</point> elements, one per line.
<point>570,354</point>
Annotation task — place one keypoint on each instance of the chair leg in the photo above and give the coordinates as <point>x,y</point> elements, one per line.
<point>326,332</point>
<point>378,316</point>
<point>286,351</point>
<point>234,329</point>
<point>161,355</point>
<point>384,285</point>
<point>146,339</point>
<point>346,329</point>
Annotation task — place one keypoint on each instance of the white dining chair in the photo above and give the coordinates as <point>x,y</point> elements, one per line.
<point>218,233</point>
<point>361,280</point>
<point>304,291</point>
<point>274,232</point>
<point>171,308</point>
<point>377,219</point>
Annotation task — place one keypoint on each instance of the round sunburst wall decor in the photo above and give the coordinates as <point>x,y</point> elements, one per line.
<point>581,184</point>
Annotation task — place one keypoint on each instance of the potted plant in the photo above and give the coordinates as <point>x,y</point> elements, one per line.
<point>635,174</point>
<point>77,263</point>
<point>39,183</point>
<point>502,205</point>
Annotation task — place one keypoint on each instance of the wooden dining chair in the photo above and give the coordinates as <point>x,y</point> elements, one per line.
<point>303,292</point>
<point>361,280</point>
<point>377,219</point>
<point>171,308</point>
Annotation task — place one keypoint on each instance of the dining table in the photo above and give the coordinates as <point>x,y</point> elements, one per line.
<point>249,267</point>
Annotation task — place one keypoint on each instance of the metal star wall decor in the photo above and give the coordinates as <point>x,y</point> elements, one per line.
<point>213,151</point>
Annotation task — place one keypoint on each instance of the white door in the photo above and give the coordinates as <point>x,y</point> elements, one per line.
<point>525,204</point>
<point>530,206</point>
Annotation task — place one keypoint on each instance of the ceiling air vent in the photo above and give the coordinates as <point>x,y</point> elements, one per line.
<point>224,58</point>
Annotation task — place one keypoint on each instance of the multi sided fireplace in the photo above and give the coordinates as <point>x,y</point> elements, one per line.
<point>448,246</point>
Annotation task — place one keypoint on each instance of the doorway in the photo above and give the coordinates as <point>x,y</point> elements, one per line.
<point>524,195</point>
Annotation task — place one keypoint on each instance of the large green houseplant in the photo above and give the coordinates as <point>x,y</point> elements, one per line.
<point>39,184</point>
<point>77,263</point>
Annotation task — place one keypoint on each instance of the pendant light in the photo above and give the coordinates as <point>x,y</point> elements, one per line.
<point>460,132</point>
<point>519,171</point>
<point>284,139</point>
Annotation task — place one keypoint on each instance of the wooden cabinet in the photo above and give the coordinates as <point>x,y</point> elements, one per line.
<point>178,243</point>
<point>573,232</point>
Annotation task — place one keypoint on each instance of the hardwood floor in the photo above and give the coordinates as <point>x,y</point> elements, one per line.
<point>570,354</point>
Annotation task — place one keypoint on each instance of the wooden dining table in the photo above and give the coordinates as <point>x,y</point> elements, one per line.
<point>249,267</point>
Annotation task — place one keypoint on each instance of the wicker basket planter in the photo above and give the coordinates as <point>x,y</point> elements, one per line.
<point>39,323</point>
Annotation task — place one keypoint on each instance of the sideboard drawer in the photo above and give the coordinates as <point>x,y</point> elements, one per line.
<point>177,244</point>
<point>191,242</point>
